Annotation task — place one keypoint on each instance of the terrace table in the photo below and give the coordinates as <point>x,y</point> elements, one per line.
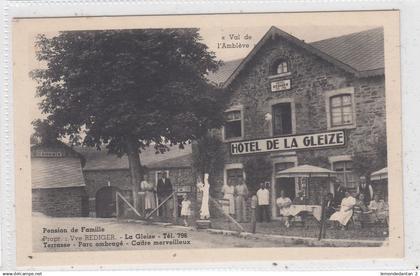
<point>315,210</point>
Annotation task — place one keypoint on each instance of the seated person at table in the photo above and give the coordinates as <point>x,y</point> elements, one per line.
<point>284,204</point>
<point>346,210</point>
<point>362,213</point>
<point>360,203</point>
<point>379,209</point>
<point>329,205</point>
<point>339,192</point>
<point>299,200</point>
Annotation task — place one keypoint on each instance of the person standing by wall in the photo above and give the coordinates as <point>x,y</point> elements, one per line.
<point>164,189</point>
<point>263,196</point>
<point>254,204</point>
<point>241,194</point>
<point>186,209</point>
<point>339,193</point>
<point>149,194</point>
<point>365,189</point>
<point>228,191</point>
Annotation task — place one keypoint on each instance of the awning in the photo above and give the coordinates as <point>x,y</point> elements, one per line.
<point>381,174</point>
<point>306,171</point>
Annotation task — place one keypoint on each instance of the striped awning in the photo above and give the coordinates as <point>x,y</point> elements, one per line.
<point>381,174</point>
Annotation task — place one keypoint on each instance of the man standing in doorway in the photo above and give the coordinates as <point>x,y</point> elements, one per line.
<point>241,194</point>
<point>263,196</point>
<point>365,189</point>
<point>164,189</point>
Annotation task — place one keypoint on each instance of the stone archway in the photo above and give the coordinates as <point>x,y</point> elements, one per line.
<point>105,202</point>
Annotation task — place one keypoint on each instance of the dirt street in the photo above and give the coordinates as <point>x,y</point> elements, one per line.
<point>93,234</point>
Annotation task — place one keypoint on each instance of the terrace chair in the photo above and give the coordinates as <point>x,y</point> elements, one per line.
<point>359,217</point>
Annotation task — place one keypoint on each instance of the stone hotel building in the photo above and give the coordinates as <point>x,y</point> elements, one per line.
<point>286,87</point>
<point>325,99</point>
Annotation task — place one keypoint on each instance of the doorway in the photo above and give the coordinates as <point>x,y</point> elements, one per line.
<point>288,185</point>
<point>106,202</point>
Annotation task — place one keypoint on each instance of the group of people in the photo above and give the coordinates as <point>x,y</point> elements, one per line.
<point>341,206</point>
<point>235,197</point>
<point>160,193</point>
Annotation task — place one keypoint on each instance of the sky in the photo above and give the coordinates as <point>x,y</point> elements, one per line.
<point>212,36</point>
<point>246,36</point>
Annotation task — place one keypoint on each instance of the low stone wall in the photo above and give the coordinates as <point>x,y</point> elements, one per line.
<point>60,202</point>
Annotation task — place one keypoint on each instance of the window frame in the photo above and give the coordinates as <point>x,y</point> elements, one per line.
<point>232,166</point>
<point>274,66</point>
<point>343,159</point>
<point>291,101</point>
<point>283,64</point>
<point>335,93</point>
<point>234,108</point>
<point>273,120</point>
<point>341,107</point>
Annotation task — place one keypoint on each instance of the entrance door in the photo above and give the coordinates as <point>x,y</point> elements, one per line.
<point>285,184</point>
<point>106,202</point>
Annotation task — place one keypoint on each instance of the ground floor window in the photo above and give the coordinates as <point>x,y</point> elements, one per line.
<point>234,176</point>
<point>345,173</point>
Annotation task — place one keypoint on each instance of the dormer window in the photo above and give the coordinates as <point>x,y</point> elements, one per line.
<point>282,67</point>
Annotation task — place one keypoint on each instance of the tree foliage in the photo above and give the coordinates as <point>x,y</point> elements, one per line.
<point>44,133</point>
<point>208,155</point>
<point>367,161</point>
<point>146,86</point>
<point>128,89</point>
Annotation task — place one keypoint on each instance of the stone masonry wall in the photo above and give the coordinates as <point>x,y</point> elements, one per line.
<point>121,179</point>
<point>60,202</point>
<point>310,78</point>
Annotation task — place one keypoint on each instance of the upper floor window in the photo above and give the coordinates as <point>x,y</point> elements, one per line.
<point>279,67</point>
<point>341,110</point>
<point>282,119</point>
<point>282,67</point>
<point>233,124</point>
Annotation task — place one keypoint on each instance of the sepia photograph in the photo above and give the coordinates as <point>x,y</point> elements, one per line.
<point>266,135</point>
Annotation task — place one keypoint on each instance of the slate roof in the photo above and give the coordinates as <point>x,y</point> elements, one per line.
<point>101,160</point>
<point>361,52</point>
<point>224,72</point>
<point>56,172</point>
<point>364,51</point>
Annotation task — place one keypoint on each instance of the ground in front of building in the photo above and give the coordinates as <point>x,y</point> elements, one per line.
<point>309,230</point>
<point>199,239</point>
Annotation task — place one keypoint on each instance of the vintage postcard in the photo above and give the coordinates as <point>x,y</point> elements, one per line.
<point>207,138</point>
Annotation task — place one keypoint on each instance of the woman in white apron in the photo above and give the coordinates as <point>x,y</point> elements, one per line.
<point>228,194</point>
<point>149,194</point>
<point>346,210</point>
